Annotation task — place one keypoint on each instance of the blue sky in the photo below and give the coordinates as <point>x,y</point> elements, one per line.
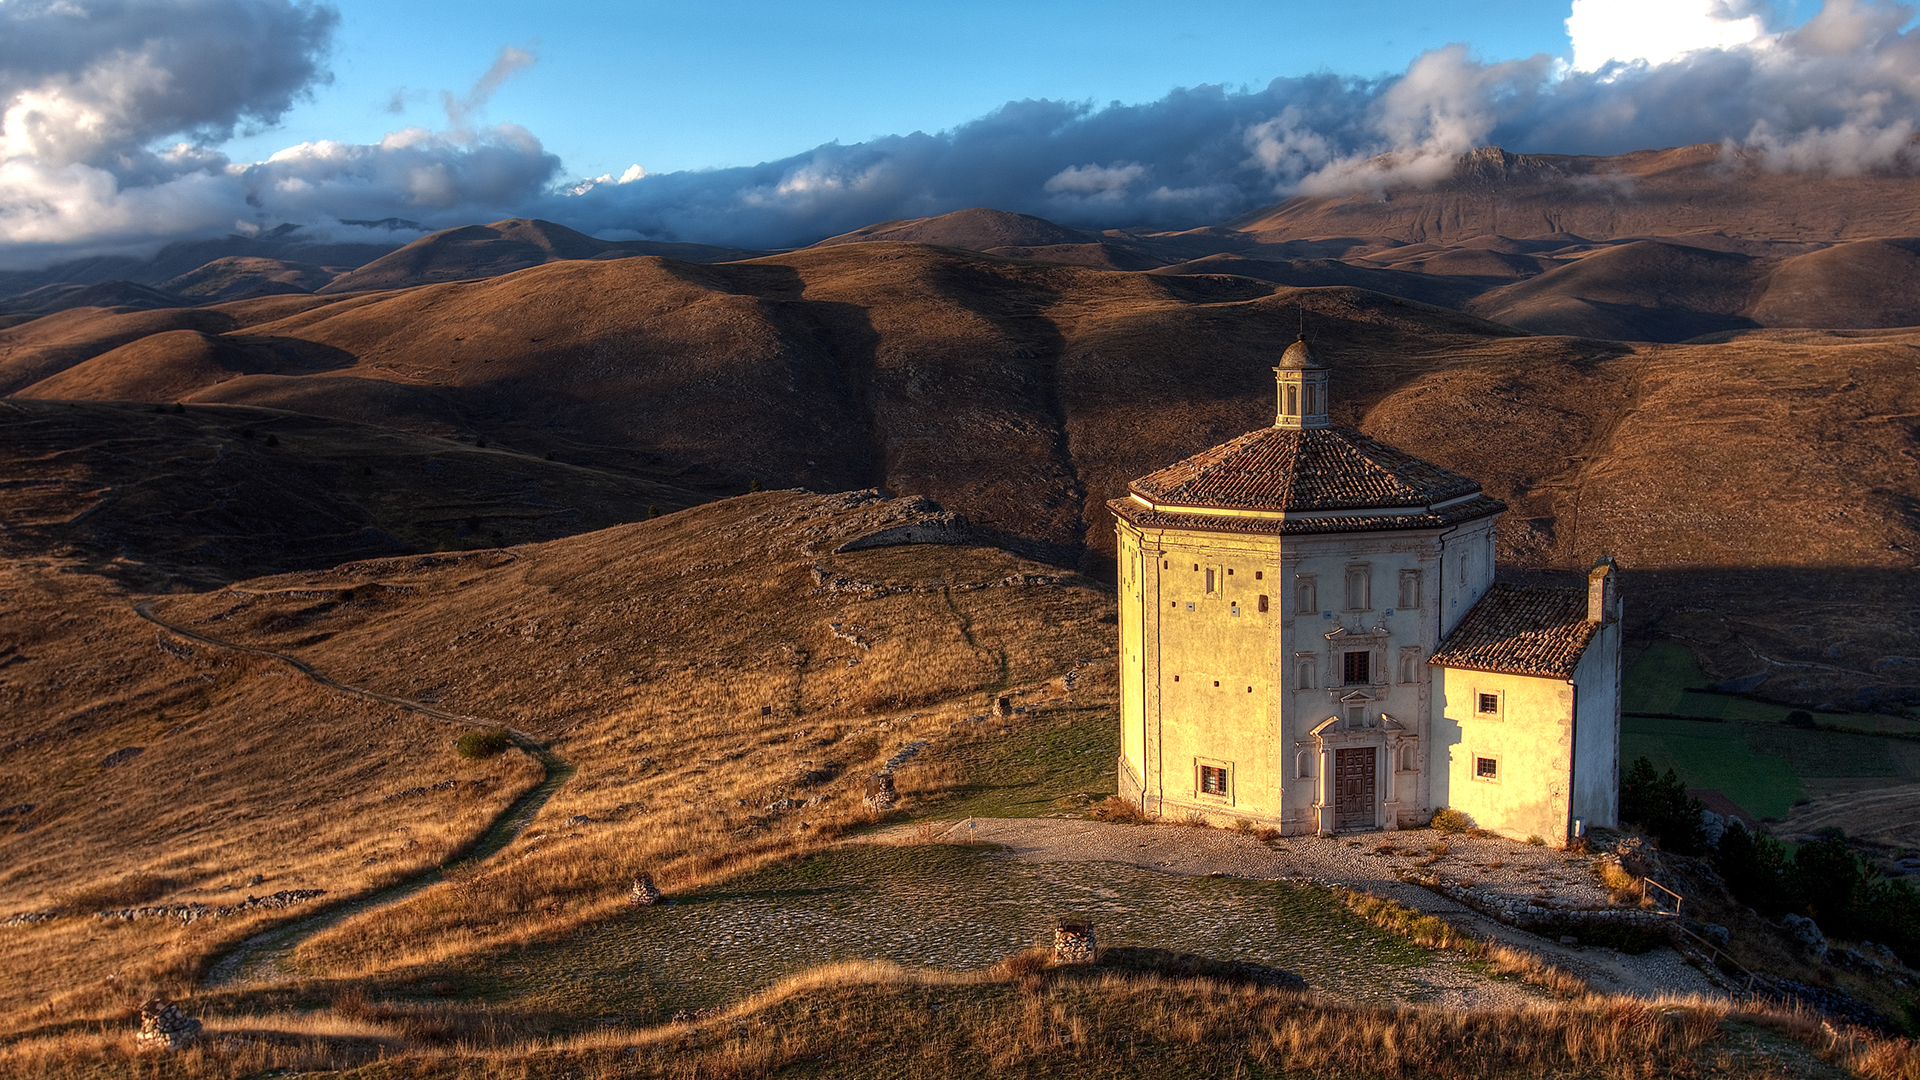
<point>674,86</point>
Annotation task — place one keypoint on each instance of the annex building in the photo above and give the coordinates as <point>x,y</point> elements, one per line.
<point>1312,638</point>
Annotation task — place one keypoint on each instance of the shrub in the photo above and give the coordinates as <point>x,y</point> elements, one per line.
<point>1118,811</point>
<point>1661,806</point>
<point>482,743</point>
<point>1800,718</point>
<point>273,440</point>
<point>1447,819</point>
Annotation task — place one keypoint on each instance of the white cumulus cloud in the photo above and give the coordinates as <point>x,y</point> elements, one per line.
<point>1655,31</point>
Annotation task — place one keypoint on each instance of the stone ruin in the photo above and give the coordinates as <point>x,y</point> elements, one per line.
<point>1073,943</point>
<point>880,793</point>
<point>164,1027</point>
<point>644,891</point>
<point>1003,707</point>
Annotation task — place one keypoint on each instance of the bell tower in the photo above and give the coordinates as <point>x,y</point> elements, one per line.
<point>1302,388</point>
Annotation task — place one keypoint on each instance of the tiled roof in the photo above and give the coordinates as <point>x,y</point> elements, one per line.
<point>1521,631</point>
<point>1286,469</point>
<point>1420,518</point>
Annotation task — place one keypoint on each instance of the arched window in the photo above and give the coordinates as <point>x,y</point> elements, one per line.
<point>1303,765</point>
<point>1409,759</point>
<point>1293,401</point>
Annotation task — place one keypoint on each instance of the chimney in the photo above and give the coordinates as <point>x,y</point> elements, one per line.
<point>1603,597</point>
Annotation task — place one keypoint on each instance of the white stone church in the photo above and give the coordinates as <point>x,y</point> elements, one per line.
<point>1312,637</point>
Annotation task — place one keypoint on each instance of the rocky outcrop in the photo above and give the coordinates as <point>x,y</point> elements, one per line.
<point>1806,934</point>
<point>164,1027</point>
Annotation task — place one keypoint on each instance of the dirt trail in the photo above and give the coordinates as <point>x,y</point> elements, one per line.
<point>1344,862</point>
<point>264,956</point>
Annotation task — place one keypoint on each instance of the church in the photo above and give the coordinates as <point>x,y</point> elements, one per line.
<point>1313,638</point>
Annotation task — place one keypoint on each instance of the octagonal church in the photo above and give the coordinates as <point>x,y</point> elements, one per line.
<point>1312,638</point>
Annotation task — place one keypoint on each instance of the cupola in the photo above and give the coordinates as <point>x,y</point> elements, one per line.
<point>1302,388</point>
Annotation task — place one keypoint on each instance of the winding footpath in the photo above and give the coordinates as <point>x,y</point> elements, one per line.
<point>266,956</point>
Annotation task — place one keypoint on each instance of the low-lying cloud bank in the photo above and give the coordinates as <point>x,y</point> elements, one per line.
<point>114,110</point>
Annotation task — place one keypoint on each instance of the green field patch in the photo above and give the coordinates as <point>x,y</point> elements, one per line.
<point>1714,756</point>
<point>944,906</point>
<point>1823,753</point>
<point>1658,678</point>
<point>1042,764</point>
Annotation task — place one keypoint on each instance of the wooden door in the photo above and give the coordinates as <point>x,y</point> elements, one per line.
<point>1353,788</point>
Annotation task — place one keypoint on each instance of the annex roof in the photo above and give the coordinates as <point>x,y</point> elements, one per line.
<point>1521,630</point>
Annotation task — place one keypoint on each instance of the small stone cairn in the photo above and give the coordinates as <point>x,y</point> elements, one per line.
<point>1073,943</point>
<point>880,793</point>
<point>164,1027</point>
<point>644,892</point>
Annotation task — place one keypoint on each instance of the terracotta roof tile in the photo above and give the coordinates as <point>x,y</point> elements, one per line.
<point>1147,518</point>
<point>1286,469</point>
<point>1521,631</point>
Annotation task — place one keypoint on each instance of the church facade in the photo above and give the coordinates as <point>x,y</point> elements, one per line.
<point>1312,638</point>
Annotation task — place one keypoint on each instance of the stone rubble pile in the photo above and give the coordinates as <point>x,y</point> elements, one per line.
<point>1519,913</point>
<point>906,753</point>
<point>1073,943</point>
<point>164,1027</point>
<point>194,912</point>
<point>644,892</point>
<point>880,793</point>
<point>26,917</point>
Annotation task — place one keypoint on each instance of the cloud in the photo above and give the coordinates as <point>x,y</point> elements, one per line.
<point>1655,31</point>
<point>113,118</point>
<point>96,82</point>
<point>461,109</point>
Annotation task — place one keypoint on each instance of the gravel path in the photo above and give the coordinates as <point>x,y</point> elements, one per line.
<point>1367,863</point>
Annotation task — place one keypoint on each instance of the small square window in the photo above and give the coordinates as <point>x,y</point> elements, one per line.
<point>1216,682</point>
<point>1229,571</point>
<point>1486,768</point>
<point>1176,678</point>
<point>1263,602</point>
<point>1259,575</point>
<point>1487,704</point>
<point>1213,781</point>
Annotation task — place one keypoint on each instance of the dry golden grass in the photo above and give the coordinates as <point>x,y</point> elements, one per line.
<point>721,681</point>
<point>645,654</point>
<point>244,770</point>
<point>1024,1018</point>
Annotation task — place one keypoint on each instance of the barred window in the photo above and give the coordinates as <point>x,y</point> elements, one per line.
<point>1356,668</point>
<point>1213,781</point>
<point>1486,768</point>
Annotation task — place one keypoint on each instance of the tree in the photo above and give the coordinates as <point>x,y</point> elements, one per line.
<point>1661,806</point>
<point>1755,869</point>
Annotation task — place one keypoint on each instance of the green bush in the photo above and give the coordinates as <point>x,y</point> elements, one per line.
<point>482,743</point>
<point>1447,819</point>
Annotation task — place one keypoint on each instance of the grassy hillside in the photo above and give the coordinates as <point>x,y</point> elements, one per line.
<point>693,671</point>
